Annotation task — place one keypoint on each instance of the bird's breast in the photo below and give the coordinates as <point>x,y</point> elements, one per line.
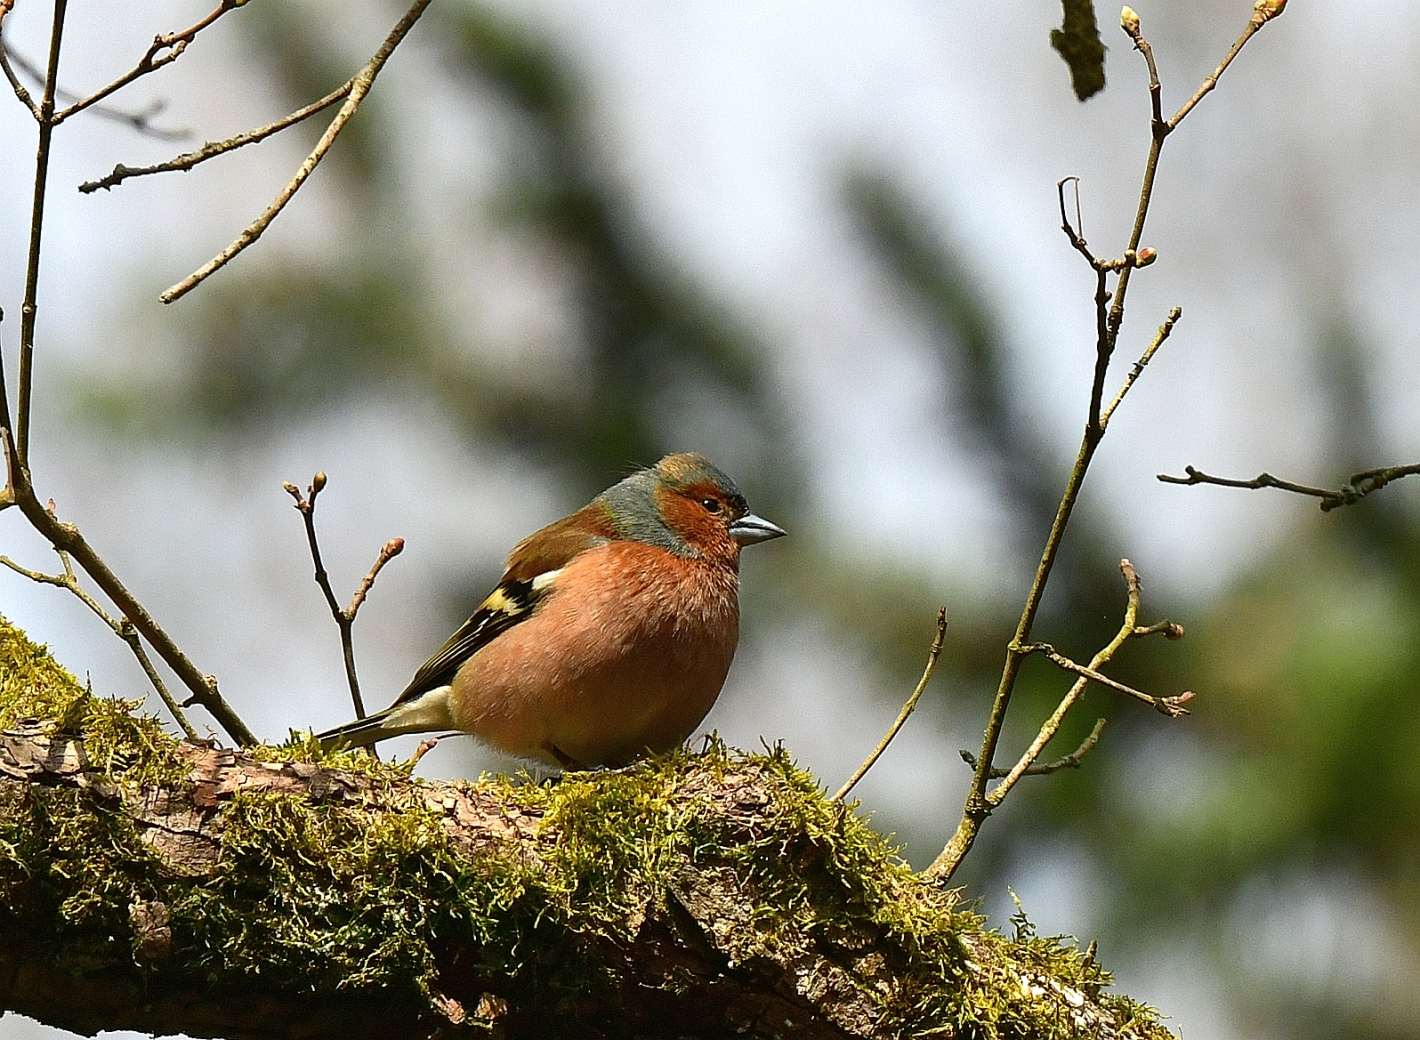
<point>627,653</point>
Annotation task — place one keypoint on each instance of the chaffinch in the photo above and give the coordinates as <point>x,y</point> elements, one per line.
<point>609,635</point>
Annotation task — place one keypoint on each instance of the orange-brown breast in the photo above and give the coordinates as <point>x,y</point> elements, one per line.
<point>626,654</point>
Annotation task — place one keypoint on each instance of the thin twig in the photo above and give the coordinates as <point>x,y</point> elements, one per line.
<point>388,551</point>
<point>1070,761</point>
<point>1075,231</point>
<point>15,84</point>
<point>932,655</point>
<point>307,508</point>
<point>173,43</point>
<point>1170,706</point>
<point>65,537</point>
<point>1358,487</point>
<point>212,149</point>
<point>1129,629</point>
<point>140,121</point>
<point>359,86</point>
<point>1144,359</point>
<point>123,629</point>
<point>1263,12</point>
<point>1168,629</point>
<point>28,309</point>
<point>129,635</point>
<point>344,618</point>
<point>978,806</point>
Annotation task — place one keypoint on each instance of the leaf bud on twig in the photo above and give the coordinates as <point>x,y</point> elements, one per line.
<point>1129,21</point>
<point>1146,256</point>
<point>1269,8</point>
<point>318,482</point>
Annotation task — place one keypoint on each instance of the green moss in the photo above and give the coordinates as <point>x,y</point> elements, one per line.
<point>32,684</point>
<point>128,748</point>
<point>329,897</point>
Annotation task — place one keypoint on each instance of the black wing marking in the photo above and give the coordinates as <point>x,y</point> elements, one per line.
<point>509,603</point>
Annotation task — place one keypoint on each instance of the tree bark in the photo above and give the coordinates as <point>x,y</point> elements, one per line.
<point>166,886</point>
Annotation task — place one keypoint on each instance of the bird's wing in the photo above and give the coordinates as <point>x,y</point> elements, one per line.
<point>532,568</point>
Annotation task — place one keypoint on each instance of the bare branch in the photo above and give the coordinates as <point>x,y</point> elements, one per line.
<point>1167,629</point>
<point>1074,231</point>
<point>1358,487</point>
<point>388,551</point>
<point>1262,13</point>
<point>1129,22</point>
<point>15,84</point>
<point>1170,706</point>
<point>344,619</point>
<point>1104,338</point>
<point>1129,629</point>
<point>212,149</point>
<point>153,59</point>
<point>29,309</point>
<point>1109,316</point>
<point>123,629</point>
<point>1142,363</point>
<point>140,121</point>
<point>65,537</point>
<point>359,86</point>
<point>307,508</point>
<point>1070,761</point>
<point>932,655</point>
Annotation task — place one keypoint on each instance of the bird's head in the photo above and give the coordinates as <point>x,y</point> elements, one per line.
<point>685,504</point>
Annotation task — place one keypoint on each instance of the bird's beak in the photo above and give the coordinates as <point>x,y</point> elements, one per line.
<point>749,529</point>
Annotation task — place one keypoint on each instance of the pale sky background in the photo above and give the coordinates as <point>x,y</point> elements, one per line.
<point>1287,198</point>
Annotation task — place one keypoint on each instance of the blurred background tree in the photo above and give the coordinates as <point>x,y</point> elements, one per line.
<point>486,315</point>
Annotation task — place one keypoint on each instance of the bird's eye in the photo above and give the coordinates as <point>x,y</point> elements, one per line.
<point>713,505</point>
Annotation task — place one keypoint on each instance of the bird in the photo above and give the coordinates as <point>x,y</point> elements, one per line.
<point>608,637</point>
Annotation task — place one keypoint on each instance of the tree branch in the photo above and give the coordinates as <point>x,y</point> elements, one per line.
<point>344,618</point>
<point>15,84</point>
<point>1109,318</point>
<point>1358,487</point>
<point>1170,706</point>
<point>139,121</point>
<point>153,60</point>
<point>211,149</point>
<point>28,310</point>
<point>359,86</point>
<point>65,537</point>
<point>932,654</point>
<point>123,629</point>
<point>1144,359</point>
<point>214,893</point>
<point>1129,629</point>
<point>1070,761</point>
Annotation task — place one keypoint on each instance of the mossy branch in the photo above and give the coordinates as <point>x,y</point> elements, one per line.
<point>168,886</point>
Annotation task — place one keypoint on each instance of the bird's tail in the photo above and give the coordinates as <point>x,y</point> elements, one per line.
<point>428,711</point>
